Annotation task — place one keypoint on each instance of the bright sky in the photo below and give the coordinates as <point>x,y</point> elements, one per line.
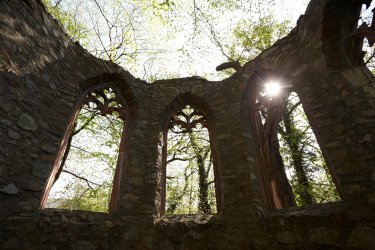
<point>202,55</point>
<point>290,9</point>
<point>184,53</point>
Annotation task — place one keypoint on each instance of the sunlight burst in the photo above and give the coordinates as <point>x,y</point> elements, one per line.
<point>272,88</point>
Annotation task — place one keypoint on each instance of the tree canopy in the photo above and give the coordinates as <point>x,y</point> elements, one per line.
<point>156,39</point>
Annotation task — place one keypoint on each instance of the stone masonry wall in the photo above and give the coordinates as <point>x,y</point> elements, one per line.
<point>43,74</point>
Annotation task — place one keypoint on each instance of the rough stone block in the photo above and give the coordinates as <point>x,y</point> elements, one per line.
<point>50,148</point>
<point>13,134</point>
<point>5,122</point>
<point>32,184</point>
<point>323,235</point>
<point>288,237</point>
<point>10,189</point>
<point>5,105</point>
<point>27,122</point>
<point>41,169</point>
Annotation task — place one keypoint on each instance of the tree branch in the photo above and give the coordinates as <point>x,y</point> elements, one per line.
<point>82,178</point>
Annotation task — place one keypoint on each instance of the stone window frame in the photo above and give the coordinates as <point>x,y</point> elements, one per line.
<point>196,103</point>
<point>84,99</point>
<point>274,187</point>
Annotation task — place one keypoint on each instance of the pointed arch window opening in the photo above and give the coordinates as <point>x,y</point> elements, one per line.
<point>277,178</point>
<point>190,182</point>
<point>89,178</point>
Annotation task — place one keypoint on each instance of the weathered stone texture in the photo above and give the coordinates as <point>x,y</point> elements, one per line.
<point>43,73</point>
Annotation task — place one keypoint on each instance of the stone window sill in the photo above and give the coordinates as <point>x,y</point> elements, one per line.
<point>187,219</point>
<point>75,215</point>
<point>323,209</point>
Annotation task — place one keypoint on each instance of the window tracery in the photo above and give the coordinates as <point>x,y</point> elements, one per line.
<point>89,161</point>
<point>190,182</point>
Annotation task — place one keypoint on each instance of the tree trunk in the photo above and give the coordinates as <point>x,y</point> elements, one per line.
<point>203,204</point>
<point>274,185</point>
<point>303,187</point>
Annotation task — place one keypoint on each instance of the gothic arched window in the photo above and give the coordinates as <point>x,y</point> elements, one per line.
<point>190,179</point>
<point>289,160</point>
<point>87,169</point>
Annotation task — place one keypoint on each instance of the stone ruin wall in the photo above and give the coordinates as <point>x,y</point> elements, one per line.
<point>43,73</point>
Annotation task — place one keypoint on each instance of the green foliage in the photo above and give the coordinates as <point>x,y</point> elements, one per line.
<point>84,199</point>
<point>158,7</point>
<point>251,38</point>
<point>190,180</point>
<point>155,39</point>
<point>76,30</point>
<point>306,168</point>
<point>86,180</point>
